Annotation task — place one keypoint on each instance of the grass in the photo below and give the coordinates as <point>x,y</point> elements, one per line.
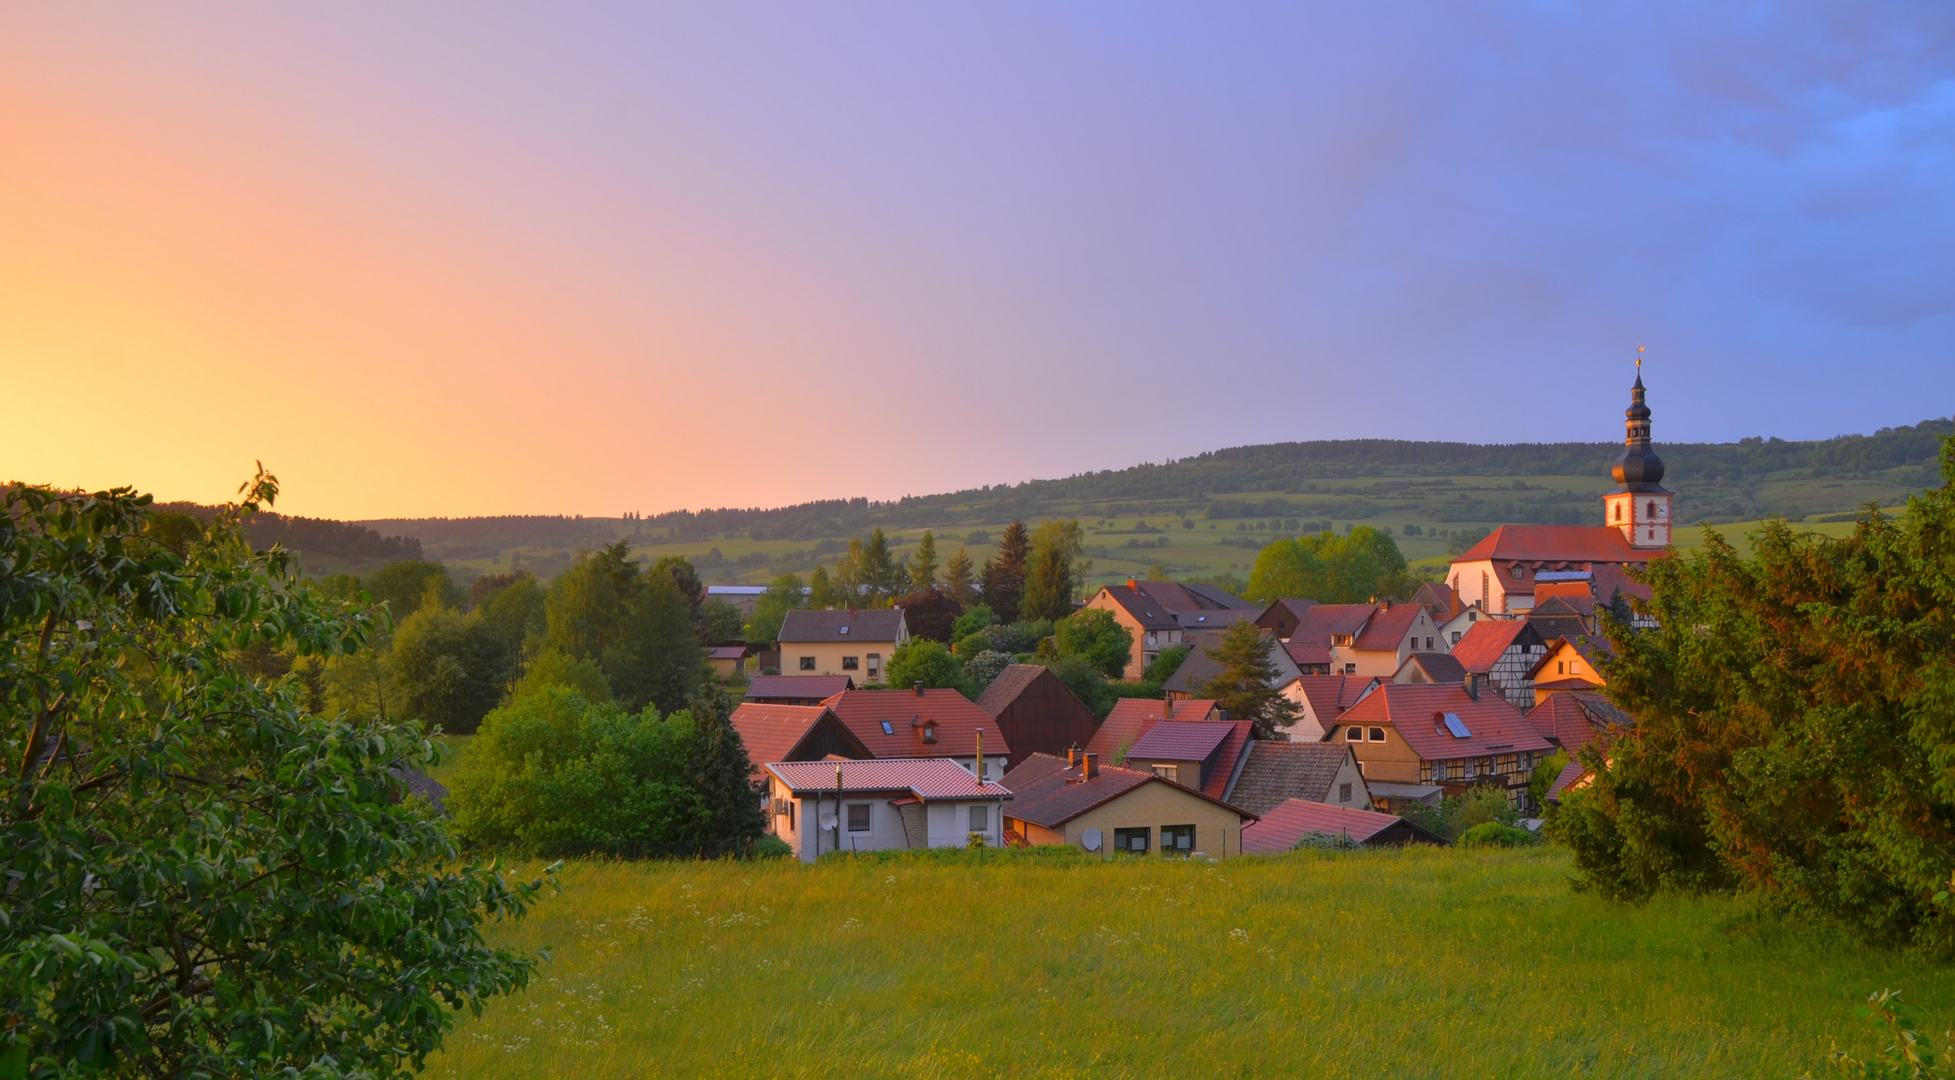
<point>1420,963</point>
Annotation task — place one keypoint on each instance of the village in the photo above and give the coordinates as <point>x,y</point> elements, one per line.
<point>1471,684</point>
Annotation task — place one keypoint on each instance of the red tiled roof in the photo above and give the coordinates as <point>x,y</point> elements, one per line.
<point>1610,579</point>
<point>1149,614</point>
<point>771,732</point>
<point>1570,773</point>
<point>1049,794</point>
<point>1414,709</point>
<point>956,720</point>
<point>1131,717</point>
<point>1439,599</point>
<point>776,687</point>
<point>1179,740</point>
<point>1387,627</point>
<point>1330,695</point>
<point>926,778</point>
<point>1557,543</point>
<point>1229,758</point>
<point>1308,653</point>
<point>1320,622</point>
<point>1480,647</point>
<point>1575,719</point>
<point>1280,829</point>
<point>846,624</point>
<point>1548,590</point>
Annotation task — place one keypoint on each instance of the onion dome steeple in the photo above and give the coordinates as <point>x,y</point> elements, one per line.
<point>1637,467</point>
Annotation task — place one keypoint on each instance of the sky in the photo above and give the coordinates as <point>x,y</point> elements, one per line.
<point>475,258</point>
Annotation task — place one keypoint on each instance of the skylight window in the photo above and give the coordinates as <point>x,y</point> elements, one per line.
<point>888,728</point>
<point>1455,725</point>
<point>844,630</point>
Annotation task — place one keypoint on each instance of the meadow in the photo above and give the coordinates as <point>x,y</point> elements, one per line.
<point>1417,963</point>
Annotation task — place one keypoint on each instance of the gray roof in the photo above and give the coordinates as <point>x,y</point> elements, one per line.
<point>841,624</point>
<point>1438,666</point>
<point>1198,668</point>
<point>1277,771</point>
<point>1222,598</point>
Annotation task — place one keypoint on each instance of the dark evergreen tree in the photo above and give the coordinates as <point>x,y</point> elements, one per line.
<point>1003,578</point>
<point>1243,688</point>
<point>721,774</point>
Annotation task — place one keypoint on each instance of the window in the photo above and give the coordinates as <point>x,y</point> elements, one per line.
<point>1166,772</point>
<point>1486,766</point>
<point>1471,616</point>
<point>1470,773</point>
<point>1428,644</point>
<point>1651,511</point>
<point>1560,667</point>
<point>807,663</point>
<point>1354,734</point>
<point>1520,571</point>
<point>851,663</point>
<point>1574,667</point>
<point>1527,761</point>
<point>1343,793</point>
<point>1377,734</point>
<point>1350,669</point>
<point>888,728</point>
<point>858,817</point>
<point>1456,633</point>
<point>980,819</point>
<point>1131,840</point>
<point>1179,839</point>
<point>875,665</point>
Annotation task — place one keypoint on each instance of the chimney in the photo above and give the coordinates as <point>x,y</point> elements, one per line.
<point>1132,584</point>
<point>1072,758</point>
<point>1092,767</point>
<point>917,687</point>
<point>1473,685</point>
<point>1167,708</point>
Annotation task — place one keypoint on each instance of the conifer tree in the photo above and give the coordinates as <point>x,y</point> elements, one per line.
<point>1052,573</point>
<point>720,773</point>
<point>1243,687</point>
<point>957,579</point>
<point>1004,573</point>
<point>923,568</point>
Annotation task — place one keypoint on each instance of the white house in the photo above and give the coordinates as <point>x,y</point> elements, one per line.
<point>822,806</point>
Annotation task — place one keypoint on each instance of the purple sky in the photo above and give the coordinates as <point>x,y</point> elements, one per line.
<point>587,258</point>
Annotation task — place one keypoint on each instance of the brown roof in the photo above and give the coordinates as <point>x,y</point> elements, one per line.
<point>728,652</point>
<point>1048,793</point>
<point>1284,825</point>
<point>1320,622</point>
<point>1438,666</point>
<point>841,624</point>
<point>792,687</point>
<point>906,715</point>
<point>1149,614</point>
<point>1330,695</point>
<point>1415,709</point>
<point>1308,653</point>
<point>771,732</point>
<point>1387,627</point>
<point>1277,771</point>
<point>1197,740</point>
<point>1575,719</point>
<point>1131,717</point>
<point>1011,682</point>
<point>1570,773</point>
<point>1484,642</point>
<point>1557,543</point>
<point>1588,647</point>
<point>1438,598</point>
<point>1294,605</point>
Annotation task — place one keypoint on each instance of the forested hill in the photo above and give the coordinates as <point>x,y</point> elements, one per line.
<point>1342,479</point>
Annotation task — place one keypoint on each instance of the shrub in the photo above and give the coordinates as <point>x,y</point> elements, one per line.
<point>1494,834</point>
<point>1096,637</point>
<point>1325,841</point>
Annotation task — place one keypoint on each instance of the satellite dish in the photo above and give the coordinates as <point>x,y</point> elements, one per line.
<point>827,823</point>
<point>1090,839</point>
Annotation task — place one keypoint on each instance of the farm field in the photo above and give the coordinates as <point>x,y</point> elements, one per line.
<point>1420,963</point>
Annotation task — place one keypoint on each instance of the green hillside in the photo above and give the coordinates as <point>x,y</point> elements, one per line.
<point>1209,514</point>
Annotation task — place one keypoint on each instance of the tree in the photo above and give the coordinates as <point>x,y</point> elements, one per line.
<point>985,666</point>
<point>1795,727</point>
<point>447,670</point>
<point>554,668</point>
<point>928,662</point>
<point>1003,577</point>
<point>202,877</point>
<point>720,775</point>
<point>930,614</point>
<point>685,580</point>
<point>635,626</point>
<point>1362,565</point>
<point>784,594</point>
<point>1243,687</point>
<point>405,585</point>
<point>823,592</point>
<point>1053,570</point>
<point>723,622</point>
<point>1097,637</point>
<point>957,579</point>
<point>1166,663</point>
<point>1086,683</point>
<point>923,568</point>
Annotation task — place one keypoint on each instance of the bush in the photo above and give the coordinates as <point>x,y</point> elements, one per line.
<point>771,847</point>
<point>921,660</point>
<point>1494,834</point>
<point>1456,814</point>
<point>1325,841</point>
<point>1096,637</point>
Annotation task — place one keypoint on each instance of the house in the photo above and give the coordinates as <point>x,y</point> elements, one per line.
<point>1573,776</point>
<point>1110,809</point>
<point>919,723</point>
<point>1503,652</point>
<point>1323,698</point>
<point>1429,667</point>
<point>1562,617</point>
<point>823,806</point>
<point>1440,601</point>
<point>1576,718</point>
<point>1320,631</point>
<point>1158,613</point>
<point>796,689</point>
<point>1200,667</point>
<point>1282,617</point>
<point>1198,754</point>
<point>1361,639</point>
<point>728,661</point>
<point>1279,830</point>
<point>1131,717</point>
<point>1568,666</point>
<point>835,641</point>
<point>1417,741</point>
<point>1036,713</point>
<point>794,733</point>
<point>1276,772</point>
<point>1500,573</point>
<point>1462,622</point>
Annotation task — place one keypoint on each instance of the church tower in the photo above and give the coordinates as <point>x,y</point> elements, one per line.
<point>1640,505</point>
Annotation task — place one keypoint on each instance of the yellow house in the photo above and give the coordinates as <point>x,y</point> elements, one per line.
<point>1568,665</point>
<point>1116,811</point>
<point>856,642</point>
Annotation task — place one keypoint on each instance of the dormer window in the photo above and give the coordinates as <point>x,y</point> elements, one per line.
<point>1520,571</point>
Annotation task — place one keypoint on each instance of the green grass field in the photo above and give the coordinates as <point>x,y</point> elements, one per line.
<point>1421,963</point>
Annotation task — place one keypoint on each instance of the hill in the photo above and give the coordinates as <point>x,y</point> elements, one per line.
<point>1208,514</point>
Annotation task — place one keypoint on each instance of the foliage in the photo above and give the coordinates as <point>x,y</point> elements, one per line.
<point>1906,1055</point>
<point>1364,564</point>
<point>551,773</point>
<point>1456,814</point>
<point>1086,682</point>
<point>824,593</point>
<point>722,623</point>
<point>555,668</point>
<point>1494,834</point>
<point>1165,664</point>
<point>404,586</point>
<point>1053,570</point>
<point>202,876</point>
<point>984,667</point>
<point>928,662</point>
<point>1017,638</point>
<point>686,582</point>
<point>1094,635</point>
<point>959,580</point>
<point>973,620</point>
<point>1003,578</point>
<point>1243,687</point>
<point>1463,540</point>
<point>1795,729</point>
<point>1326,841</point>
<point>930,613</point>
<point>783,594</point>
<point>868,576</point>
<point>923,568</point>
<point>1544,775</point>
<point>447,671</point>
<point>635,626</point>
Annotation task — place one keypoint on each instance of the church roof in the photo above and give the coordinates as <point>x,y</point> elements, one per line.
<point>1557,543</point>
